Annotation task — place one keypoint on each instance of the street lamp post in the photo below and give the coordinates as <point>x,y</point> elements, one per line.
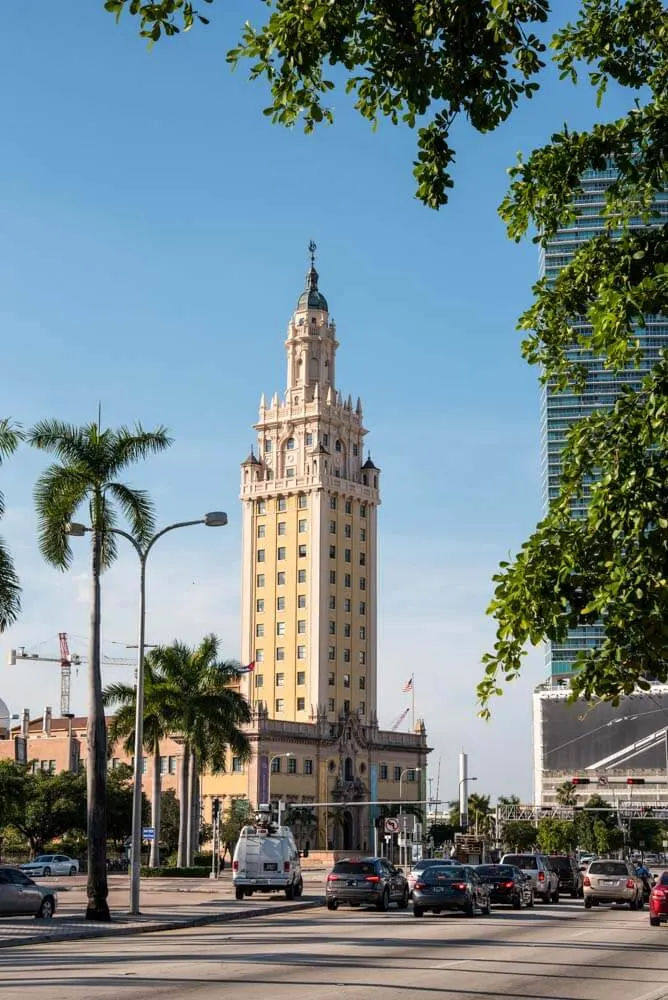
<point>214,519</point>
<point>464,781</point>
<point>402,851</point>
<point>276,756</point>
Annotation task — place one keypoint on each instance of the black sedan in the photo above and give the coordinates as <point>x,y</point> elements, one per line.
<point>508,885</point>
<point>456,887</point>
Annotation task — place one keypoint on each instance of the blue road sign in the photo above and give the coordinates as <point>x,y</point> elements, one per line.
<point>148,833</point>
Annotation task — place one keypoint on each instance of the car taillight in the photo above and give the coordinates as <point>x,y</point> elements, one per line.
<point>587,880</point>
<point>333,878</point>
<point>420,885</point>
<point>460,885</point>
<point>235,866</point>
<point>659,892</point>
<point>286,866</point>
<point>508,885</point>
<point>372,878</point>
<point>541,876</point>
<point>630,884</point>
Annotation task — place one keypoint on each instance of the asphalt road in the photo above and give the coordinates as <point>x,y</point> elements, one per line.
<point>551,953</point>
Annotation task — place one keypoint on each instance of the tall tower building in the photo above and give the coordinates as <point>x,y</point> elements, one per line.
<point>310,499</point>
<point>559,410</point>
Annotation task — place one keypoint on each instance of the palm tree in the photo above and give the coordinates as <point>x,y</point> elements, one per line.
<point>565,794</point>
<point>479,812</point>
<point>89,462</point>
<point>158,710</point>
<point>10,591</point>
<point>210,714</point>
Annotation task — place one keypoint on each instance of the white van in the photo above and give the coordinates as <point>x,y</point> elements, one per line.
<point>266,859</point>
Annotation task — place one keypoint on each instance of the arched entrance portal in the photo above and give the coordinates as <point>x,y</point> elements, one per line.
<point>347,831</point>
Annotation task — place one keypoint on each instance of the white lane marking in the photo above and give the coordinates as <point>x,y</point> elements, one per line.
<point>659,994</point>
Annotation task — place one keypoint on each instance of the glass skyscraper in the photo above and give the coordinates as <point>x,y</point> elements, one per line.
<point>559,409</point>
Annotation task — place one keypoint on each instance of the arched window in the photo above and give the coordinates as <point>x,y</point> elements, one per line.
<point>348,769</point>
<point>290,444</point>
<point>339,446</point>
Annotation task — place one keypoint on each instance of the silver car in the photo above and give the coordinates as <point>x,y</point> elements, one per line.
<point>21,897</point>
<point>51,864</point>
<point>610,881</point>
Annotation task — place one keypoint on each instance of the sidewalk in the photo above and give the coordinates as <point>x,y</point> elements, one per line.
<point>163,908</point>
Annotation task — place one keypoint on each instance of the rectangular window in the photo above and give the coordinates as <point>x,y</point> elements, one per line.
<point>302,551</point>
<point>292,761</point>
<point>332,503</point>
<point>280,628</point>
<point>382,772</point>
<point>332,627</point>
<point>282,527</point>
<point>301,652</point>
<point>267,446</point>
<point>301,626</point>
<point>346,630</point>
<point>411,775</point>
<point>346,656</point>
<point>332,602</point>
<point>301,601</point>
<point>259,580</point>
<point>280,653</point>
<point>346,555</point>
<point>362,683</point>
<point>331,679</point>
<point>276,764</point>
<point>332,527</point>
<point>362,583</point>
<point>281,553</point>
<point>362,510</point>
<point>309,439</point>
<point>301,707</point>
<point>338,446</point>
<point>397,773</point>
<point>325,439</point>
<point>261,507</point>
<point>362,607</point>
<point>332,577</point>
<point>259,605</point>
<point>347,605</point>
<point>346,706</point>
<point>330,705</point>
<point>332,652</point>
<point>259,656</point>
<point>282,504</point>
<point>362,707</point>
<point>355,450</point>
<point>346,680</point>
<point>172,765</point>
<point>302,526</point>
<point>260,555</point>
<point>301,576</point>
<point>280,604</point>
<point>280,680</point>
<point>280,578</point>
<point>349,503</point>
<point>362,631</point>
<point>308,767</point>
<point>280,705</point>
<point>347,580</point>
<point>362,534</point>
<point>290,472</point>
<point>237,766</point>
<point>302,503</point>
<point>362,559</point>
<point>259,681</point>
<point>259,630</point>
<point>332,552</point>
<point>301,678</point>
<point>362,656</point>
<point>290,444</point>
<point>261,530</point>
<point>348,531</point>
<point>163,765</point>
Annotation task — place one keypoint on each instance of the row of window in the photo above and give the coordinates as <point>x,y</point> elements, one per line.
<point>282,528</point>
<point>301,680</point>
<point>347,531</point>
<point>281,553</point>
<point>347,555</point>
<point>281,578</point>
<point>302,504</point>
<point>291,444</point>
<point>301,629</point>
<point>279,654</point>
<point>279,706</point>
<point>397,771</point>
<point>301,603</point>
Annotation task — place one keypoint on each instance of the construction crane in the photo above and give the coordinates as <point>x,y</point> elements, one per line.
<point>66,660</point>
<point>397,722</point>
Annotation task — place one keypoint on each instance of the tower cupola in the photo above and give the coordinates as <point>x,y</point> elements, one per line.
<point>312,297</point>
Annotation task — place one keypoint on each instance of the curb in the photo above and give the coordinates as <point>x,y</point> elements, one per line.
<point>107,930</point>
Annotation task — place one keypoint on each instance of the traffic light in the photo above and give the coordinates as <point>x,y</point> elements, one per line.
<point>635,781</point>
<point>580,781</point>
<point>215,809</point>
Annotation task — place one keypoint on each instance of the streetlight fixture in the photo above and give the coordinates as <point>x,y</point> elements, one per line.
<point>214,519</point>
<point>407,770</point>
<point>276,756</point>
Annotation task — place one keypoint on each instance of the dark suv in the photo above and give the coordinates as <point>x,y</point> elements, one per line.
<point>371,881</point>
<point>570,877</point>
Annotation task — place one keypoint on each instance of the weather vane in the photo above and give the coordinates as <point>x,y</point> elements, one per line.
<point>312,247</point>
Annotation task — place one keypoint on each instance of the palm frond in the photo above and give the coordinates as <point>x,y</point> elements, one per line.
<point>118,693</point>
<point>134,445</point>
<point>58,493</point>
<point>10,435</point>
<point>66,441</point>
<point>137,508</point>
<point>10,590</point>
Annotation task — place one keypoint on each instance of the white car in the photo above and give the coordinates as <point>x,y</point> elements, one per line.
<point>421,865</point>
<point>51,864</point>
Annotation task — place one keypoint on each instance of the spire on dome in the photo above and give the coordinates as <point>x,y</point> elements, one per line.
<point>311,297</point>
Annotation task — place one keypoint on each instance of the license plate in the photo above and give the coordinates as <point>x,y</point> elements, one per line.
<point>270,867</point>
<point>608,881</point>
<point>440,888</point>
<point>352,882</point>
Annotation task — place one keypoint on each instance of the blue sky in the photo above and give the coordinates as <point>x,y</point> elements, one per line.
<point>152,248</point>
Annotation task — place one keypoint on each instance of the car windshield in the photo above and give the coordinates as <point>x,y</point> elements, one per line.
<point>503,871</point>
<point>563,864</point>
<point>355,868</point>
<point>608,868</point>
<point>527,861</point>
<point>448,873</point>
<point>429,863</point>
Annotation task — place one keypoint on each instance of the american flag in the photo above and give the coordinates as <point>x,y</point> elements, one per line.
<point>408,686</point>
